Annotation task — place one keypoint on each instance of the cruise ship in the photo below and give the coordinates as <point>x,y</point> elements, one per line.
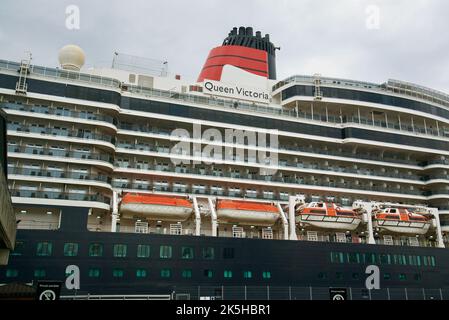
<point>139,183</point>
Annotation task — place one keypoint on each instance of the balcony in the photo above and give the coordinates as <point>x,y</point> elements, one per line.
<point>60,153</point>
<point>80,134</point>
<point>62,112</point>
<point>165,134</point>
<point>60,195</point>
<point>58,174</point>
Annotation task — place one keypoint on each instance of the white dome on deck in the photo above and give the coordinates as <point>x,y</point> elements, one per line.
<point>71,57</point>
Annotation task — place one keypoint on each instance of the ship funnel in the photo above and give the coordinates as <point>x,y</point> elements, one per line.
<point>255,54</point>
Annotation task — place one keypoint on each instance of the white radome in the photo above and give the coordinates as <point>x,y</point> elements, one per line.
<point>71,57</point>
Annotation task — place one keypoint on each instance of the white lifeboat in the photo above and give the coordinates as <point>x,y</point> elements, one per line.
<point>156,207</point>
<point>400,220</point>
<point>246,212</point>
<point>328,216</point>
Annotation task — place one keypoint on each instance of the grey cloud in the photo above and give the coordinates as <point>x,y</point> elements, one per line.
<point>325,36</point>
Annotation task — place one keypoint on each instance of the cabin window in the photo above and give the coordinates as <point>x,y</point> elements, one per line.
<point>387,276</point>
<point>402,277</point>
<point>353,258</point>
<point>117,273</point>
<point>339,275</point>
<point>187,273</point>
<point>165,273</point>
<point>187,252</point>
<point>70,249</point>
<point>39,273</point>
<point>120,250</point>
<point>209,253</point>
<point>208,273</point>
<point>247,274</point>
<point>94,273</point>
<point>95,250</point>
<point>143,251</point>
<point>141,273</point>
<point>266,275</point>
<point>227,274</point>
<point>322,276</point>
<point>417,277</point>
<point>12,273</point>
<point>165,252</point>
<point>44,249</point>
<point>385,259</point>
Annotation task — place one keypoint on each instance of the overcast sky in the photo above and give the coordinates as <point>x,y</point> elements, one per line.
<point>338,38</point>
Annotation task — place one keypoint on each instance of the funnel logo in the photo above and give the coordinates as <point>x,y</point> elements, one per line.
<point>220,89</point>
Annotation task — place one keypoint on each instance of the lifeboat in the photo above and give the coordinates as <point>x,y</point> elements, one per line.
<point>246,212</point>
<point>156,207</point>
<point>399,220</point>
<point>328,216</point>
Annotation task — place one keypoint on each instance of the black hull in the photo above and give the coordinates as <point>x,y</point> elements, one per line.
<point>292,264</point>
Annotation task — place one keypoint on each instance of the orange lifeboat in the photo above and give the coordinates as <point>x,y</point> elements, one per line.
<point>329,216</point>
<point>156,207</point>
<point>400,220</point>
<point>246,212</point>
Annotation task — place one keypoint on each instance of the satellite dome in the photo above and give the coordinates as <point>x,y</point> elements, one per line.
<point>71,57</point>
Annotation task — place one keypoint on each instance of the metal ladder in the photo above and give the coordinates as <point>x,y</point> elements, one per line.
<point>21,85</point>
<point>317,82</point>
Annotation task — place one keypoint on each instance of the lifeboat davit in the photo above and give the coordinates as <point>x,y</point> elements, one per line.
<point>156,207</point>
<point>328,216</point>
<point>401,220</point>
<point>246,212</point>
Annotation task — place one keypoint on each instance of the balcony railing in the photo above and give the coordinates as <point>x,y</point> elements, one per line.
<point>58,112</point>
<point>290,180</point>
<point>284,164</point>
<point>60,153</point>
<point>60,195</point>
<point>80,134</point>
<point>58,174</point>
<point>290,148</point>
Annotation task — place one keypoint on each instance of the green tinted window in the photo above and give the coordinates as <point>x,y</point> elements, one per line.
<point>247,274</point>
<point>165,273</point>
<point>208,273</point>
<point>120,250</point>
<point>94,273</point>
<point>227,274</point>
<point>143,251</point>
<point>187,273</point>
<point>70,249</point>
<point>387,276</point>
<point>141,273</point>
<point>266,275</point>
<point>95,250</point>
<point>402,277</point>
<point>385,259</point>
<point>39,273</point>
<point>12,273</point>
<point>209,253</point>
<point>44,249</point>
<point>187,252</point>
<point>165,252</point>
<point>117,273</point>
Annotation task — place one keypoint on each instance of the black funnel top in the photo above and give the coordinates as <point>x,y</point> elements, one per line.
<point>245,37</point>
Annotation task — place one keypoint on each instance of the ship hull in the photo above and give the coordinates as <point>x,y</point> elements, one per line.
<point>296,265</point>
